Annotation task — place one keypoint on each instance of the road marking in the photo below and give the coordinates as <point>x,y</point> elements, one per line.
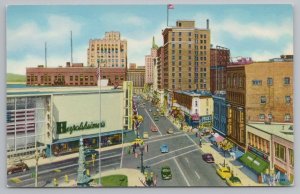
<point>191,139</point>
<point>168,137</point>
<point>153,122</point>
<point>156,136</point>
<point>197,175</point>
<point>162,155</point>
<point>187,182</point>
<point>67,166</point>
<point>174,157</point>
<point>186,160</point>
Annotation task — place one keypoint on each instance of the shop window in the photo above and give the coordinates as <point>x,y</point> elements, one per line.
<point>280,151</point>
<point>291,154</point>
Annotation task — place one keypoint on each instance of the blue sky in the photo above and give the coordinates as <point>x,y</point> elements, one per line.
<point>258,31</point>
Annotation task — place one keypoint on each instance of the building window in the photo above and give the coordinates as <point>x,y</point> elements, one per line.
<point>263,100</point>
<point>256,82</point>
<point>196,103</point>
<point>280,151</point>
<point>179,32</point>
<point>287,99</point>
<point>196,111</point>
<point>71,78</point>
<point>179,45</point>
<point>291,154</point>
<point>287,117</point>
<point>261,116</point>
<point>286,81</point>
<point>270,81</point>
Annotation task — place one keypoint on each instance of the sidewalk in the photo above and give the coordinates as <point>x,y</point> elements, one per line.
<point>134,176</point>
<point>42,161</point>
<point>238,170</point>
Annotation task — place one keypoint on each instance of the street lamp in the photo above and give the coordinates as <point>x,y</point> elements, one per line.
<point>142,149</point>
<point>36,156</point>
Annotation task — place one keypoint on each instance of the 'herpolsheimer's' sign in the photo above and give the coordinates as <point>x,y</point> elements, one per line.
<point>61,127</point>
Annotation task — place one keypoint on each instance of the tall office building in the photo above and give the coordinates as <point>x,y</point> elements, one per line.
<point>110,53</point>
<point>150,62</point>
<point>186,63</point>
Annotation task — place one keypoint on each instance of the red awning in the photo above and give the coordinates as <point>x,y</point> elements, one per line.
<point>218,137</point>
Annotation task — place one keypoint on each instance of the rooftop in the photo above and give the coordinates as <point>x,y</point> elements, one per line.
<point>33,91</point>
<point>285,131</point>
<point>195,92</point>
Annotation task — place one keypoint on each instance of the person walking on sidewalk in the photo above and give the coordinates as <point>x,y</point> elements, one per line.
<point>200,143</point>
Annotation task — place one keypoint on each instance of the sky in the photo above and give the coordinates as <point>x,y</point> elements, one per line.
<point>258,31</point>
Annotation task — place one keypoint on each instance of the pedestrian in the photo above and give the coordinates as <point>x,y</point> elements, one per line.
<point>196,134</point>
<point>200,143</point>
<point>133,150</point>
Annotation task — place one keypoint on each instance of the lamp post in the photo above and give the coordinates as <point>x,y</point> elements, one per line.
<point>142,149</point>
<point>37,156</point>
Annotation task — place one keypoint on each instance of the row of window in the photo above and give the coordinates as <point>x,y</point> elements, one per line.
<point>287,117</point>
<point>190,46</point>
<point>189,34</point>
<point>287,99</point>
<point>280,153</point>
<point>259,143</point>
<point>286,81</point>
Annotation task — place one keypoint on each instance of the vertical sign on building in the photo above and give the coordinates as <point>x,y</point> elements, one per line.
<point>128,101</point>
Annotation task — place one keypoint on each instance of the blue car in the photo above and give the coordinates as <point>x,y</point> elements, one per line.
<point>164,148</point>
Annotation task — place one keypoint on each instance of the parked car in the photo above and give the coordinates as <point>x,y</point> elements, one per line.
<point>164,148</point>
<point>156,118</point>
<point>146,135</point>
<point>170,131</point>
<point>207,157</point>
<point>234,181</point>
<point>154,129</point>
<point>166,173</point>
<point>18,167</point>
<point>89,152</point>
<point>138,141</point>
<point>223,172</point>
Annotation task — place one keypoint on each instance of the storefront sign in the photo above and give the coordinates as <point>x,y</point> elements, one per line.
<point>61,127</point>
<point>259,153</point>
<point>206,118</point>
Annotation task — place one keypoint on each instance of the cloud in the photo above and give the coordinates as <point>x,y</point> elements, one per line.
<point>264,55</point>
<point>138,48</point>
<point>124,19</point>
<point>267,31</point>
<point>288,50</point>
<point>31,37</point>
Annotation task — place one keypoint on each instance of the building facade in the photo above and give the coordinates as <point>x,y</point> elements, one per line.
<point>220,113</point>
<point>186,58</point>
<point>73,75</point>
<point>269,92</point>
<point>197,106</point>
<point>219,60</point>
<point>137,76</point>
<point>150,62</point>
<point>110,51</point>
<point>43,118</point>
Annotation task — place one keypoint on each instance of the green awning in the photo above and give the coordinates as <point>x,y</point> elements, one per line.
<point>254,162</point>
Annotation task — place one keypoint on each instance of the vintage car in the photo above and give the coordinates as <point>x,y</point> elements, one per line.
<point>138,141</point>
<point>154,129</point>
<point>170,131</point>
<point>234,181</point>
<point>223,172</point>
<point>166,173</point>
<point>18,167</point>
<point>164,148</point>
<point>207,157</point>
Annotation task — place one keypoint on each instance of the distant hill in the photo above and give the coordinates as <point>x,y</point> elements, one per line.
<point>10,77</point>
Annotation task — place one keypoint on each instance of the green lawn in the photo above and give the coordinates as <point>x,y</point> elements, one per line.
<point>114,181</point>
<point>10,77</point>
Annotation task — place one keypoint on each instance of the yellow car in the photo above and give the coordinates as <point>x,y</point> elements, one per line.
<point>223,172</point>
<point>138,141</point>
<point>234,181</point>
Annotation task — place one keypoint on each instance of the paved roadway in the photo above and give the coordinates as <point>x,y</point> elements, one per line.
<point>46,173</point>
<point>184,157</point>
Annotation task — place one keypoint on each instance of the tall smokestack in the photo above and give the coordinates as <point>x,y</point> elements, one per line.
<point>207,24</point>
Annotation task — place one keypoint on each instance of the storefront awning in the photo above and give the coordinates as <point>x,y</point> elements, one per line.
<point>65,140</point>
<point>254,162</point>
<point>216,138</point>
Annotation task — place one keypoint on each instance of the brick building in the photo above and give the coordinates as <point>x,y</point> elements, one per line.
<point>186,58</point>
<point>136,74</point>
<point>265,95</point>
<point>72,75</point>
<point>219,60</point>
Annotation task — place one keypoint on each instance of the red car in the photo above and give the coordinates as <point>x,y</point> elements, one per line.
<point>207,157</point>
<point>154,129</point>
<point>18,167</point>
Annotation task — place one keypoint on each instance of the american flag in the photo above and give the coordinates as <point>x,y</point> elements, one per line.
<point>21,120</point>
<point>170,6</point>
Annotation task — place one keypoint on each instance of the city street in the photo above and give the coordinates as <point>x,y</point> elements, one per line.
<point>184,156</point>
<point>46,173</point>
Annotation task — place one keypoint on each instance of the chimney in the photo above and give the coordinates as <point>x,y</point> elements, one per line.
<point>207,24</point>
